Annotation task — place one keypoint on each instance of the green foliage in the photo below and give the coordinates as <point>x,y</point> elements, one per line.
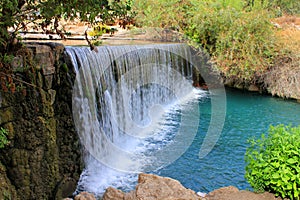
<point>18,14</point>
<point>163,13</point>
<point>6,58</point>
<point>3,138</point>
<point>241,43</point>
<point>99,30</point>
<point>287,6</point>
<point>277,6</point>
<point>240,40</point>
<point>97,43</point>
<point>273,162</point>
<point>246,51</point>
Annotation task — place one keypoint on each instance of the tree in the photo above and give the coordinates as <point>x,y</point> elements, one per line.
<point>16,15</point>
<point>46,15</point>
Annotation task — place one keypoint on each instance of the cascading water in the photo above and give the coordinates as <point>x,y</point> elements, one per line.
<point>121,96</point>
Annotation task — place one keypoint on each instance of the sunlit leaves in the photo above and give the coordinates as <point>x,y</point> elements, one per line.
<point>241,43</point>
<point>45,14</point>
<point>273,162</point>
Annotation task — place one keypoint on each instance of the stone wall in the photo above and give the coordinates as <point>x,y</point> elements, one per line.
<point>43,159</point>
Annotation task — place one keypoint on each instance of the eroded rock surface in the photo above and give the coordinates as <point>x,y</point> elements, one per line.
<point>43,158</point>
<point>233,193</point>
<point>152,187</point>
<point>85,196</point>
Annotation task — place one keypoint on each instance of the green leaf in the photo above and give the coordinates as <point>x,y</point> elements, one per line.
<point>276,176</point>
<point>292,161</point>
<point>296,194</point>
<point>274,159</point>
<point>289,186</point>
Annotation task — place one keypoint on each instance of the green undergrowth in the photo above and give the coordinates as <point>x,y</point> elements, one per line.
<point>238,34</point>
<point>241,43</point>
<point>273,162</point>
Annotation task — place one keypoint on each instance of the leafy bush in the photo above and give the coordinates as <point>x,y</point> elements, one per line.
<point>241,43</point>
<point>279,6</point>
<point>163,13</point>
<point>287,6</point>
<point>273,162</point>
<point>3,137</point>
<point>238,34</point>
<point>246,51</point>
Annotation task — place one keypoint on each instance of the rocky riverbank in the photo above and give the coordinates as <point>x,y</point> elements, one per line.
<point>153,187</point>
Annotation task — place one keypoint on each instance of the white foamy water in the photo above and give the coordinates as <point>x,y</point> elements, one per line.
<point>124,102</point>
<point>97,177</point>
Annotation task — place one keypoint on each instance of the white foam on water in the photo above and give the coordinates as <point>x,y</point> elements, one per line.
<point>97,177</point>
<point>128,105</point>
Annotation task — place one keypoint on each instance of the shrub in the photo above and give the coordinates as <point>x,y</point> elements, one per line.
<point>171,14</point>
<point>247,48</point>
<point>278,6</point>
<point>238,34</point>
<point>287,6</point>
<point>241,43</point>
<point>273,162</point>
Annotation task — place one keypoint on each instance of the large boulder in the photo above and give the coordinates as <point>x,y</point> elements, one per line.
<point>85,196</point>
<point>233,193</point>
<point>152,187</point>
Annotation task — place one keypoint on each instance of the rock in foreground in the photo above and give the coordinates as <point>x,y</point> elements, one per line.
<point>85,196</point>
<point>233,193</point>
<point>152,187</point>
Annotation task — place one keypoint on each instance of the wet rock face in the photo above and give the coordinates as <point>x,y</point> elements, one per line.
<point>152,187</point>
<point>43,160</point>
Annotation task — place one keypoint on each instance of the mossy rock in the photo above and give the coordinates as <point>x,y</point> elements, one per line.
<point>7,190</point>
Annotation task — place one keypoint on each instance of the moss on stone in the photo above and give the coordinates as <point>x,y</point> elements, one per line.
<point>44,145</point>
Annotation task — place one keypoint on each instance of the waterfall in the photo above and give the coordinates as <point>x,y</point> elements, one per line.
<point>120,96</point>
